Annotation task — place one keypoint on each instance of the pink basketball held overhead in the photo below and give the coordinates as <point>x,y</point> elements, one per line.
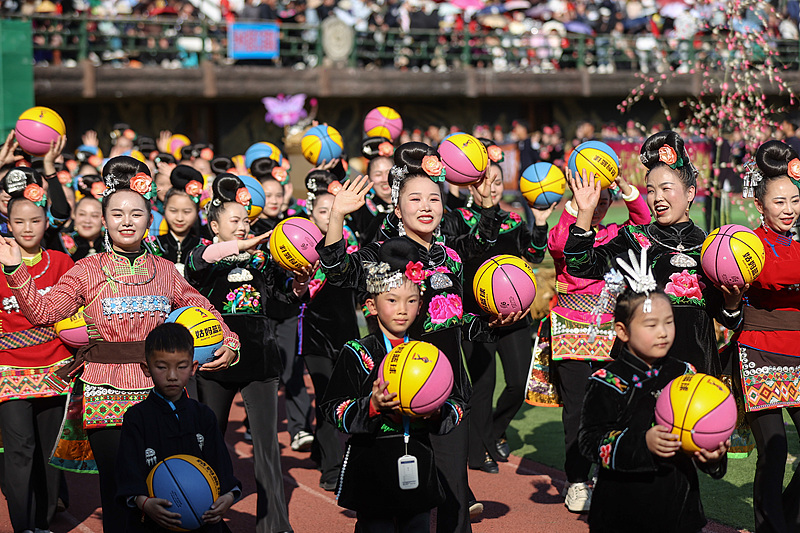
<point>383,121</point>
<point>421,376</point>
<point>37,127</point>
<point>465,159</point>
<point>698,408</point>
<point>732,255</point>
<point>293,243</point>
<point>504,284</point>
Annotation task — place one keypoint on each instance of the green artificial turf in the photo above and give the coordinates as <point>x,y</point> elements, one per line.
<point>536,433</point>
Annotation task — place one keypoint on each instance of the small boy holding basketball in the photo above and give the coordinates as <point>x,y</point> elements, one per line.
<point>376,479</point>
<point>169,423</point>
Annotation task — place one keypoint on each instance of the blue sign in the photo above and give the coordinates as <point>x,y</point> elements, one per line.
<point>253,40</point>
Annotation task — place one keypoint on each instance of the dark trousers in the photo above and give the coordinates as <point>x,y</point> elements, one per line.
<point>777,510</point>
<point>261,405</point>
<point>320,367</point>
<point>485,426</point>
<point>571,385</point>
<point>298,402</point>
<point>105,444</point>
<point>418,523</point>
<point>30,429</point>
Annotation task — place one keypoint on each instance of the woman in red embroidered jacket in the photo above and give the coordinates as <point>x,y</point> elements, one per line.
<point>31,395</point>
<point>768,351</point>
<point>126,292</point>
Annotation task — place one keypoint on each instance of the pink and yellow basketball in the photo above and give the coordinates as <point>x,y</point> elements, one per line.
<point>465,158</point>
<point>72,331</point>
<point>504,284</point>
<point>176,142</point>
<point>189,483</point>
<point>732,255</point>
<point>383,122</point>
<point>421,376</point>
<point>321,143</point>
<point>293,243</point>
<point>205,329</point>
<point>595,157</point>
<point>37,127</point>
<point>542,184</point>
<point>699,409</point>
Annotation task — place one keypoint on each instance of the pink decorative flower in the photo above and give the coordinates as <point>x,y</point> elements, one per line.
<point>467,214</point>
<point>33,192</point>
<point>415,272</point>
<point>341,408</point>
<point>442,270</point>
<point>643,241</point>
<point>97,189</point>
<point>437,309</point>
<point>334,187</point>
<point>600,373</point>
<point>504,226</point>
<point>515,217</point>
<point>666,154</point>
<point>794,168</point>
<point>194,188</point>
<point>452,254</point>
<point>243,197</point>
<point>64,177</point>
<point>367,360</point>
<point>495,153</point>
<point>385,149</point>
<point>69,243</point>
<point>685,285</point>
<point>141,183</point>
<point>313,286</point>
<point>352,248</point>
<point>454,305</point>
<point>432,165</point>
<point>605,454</point>
<point>280,174</point>
<point>207,154</point>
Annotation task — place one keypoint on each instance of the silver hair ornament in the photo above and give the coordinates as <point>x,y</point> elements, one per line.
<point>640,278</point>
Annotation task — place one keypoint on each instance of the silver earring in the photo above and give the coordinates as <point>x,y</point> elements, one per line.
<point>107,241</point>
<point>437,232</point>
<point>763,222</point>
<point>401,229</point>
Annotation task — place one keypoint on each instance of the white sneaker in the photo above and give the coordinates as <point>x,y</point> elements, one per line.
<point>302,441</point>
<point>579,498</point>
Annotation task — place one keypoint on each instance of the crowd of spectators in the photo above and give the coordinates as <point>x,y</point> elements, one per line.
<point>604,35</point>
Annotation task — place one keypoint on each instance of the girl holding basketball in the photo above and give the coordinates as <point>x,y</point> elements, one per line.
<point>767,347</point>
<point>487,442</point>
<point>358,403</point>
<point>417,196</point>
<point>577,349</point>
<point>645,483</point>
<point>30,415</point>
<point>244,284</point>
<point>673,244</point>
<point>126,292</point>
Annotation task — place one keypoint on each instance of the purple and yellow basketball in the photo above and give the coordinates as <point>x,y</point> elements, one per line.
<point>698,408</point>
<point>176,142</point>
<point>293,243</point>
<point>595,157</point>
<point>465,159</point>
<point>72,331</point>
<point>37,127</point>
<point>732,255</point>
<point>420,374</point>
<point>383,121</point>
<point>189,483</point>
<point>504,284</point>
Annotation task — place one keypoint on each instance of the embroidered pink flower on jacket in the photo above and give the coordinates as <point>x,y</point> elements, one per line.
<point>313,286</point>
<point>444,307</point>
<point>600,373</point>
<point>685,285</point>
<point>341,408</point>
<point>415,272</point>
<point>642,239</point>
<point>467,214</point>
<point>442,270</point>
<point>452,254</point>
<point>515,217</point>
<point>605,455</point>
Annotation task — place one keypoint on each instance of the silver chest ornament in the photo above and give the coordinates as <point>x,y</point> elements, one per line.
<point>239,275</point>
<point>440,281</point>
<point>681,260</point>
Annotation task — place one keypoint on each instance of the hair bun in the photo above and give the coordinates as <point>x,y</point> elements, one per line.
<point>225,186</point>
<point>398,252</point>
<point>649,153</point>
<point>18,178</point>
<point>262,167</point>
<point>182,174</point>
<point>410,155</point>
<point>370,147</point>
<point>772,158</point>
<point>317,180</point>
<point>221,165</point>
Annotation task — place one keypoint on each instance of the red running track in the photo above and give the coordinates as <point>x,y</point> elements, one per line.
<point>523,497</point>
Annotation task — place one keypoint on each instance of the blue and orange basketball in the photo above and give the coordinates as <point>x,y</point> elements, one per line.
<point>542,184</point>
<point>383,121</point>
<point>321,143</point>
<point>257,196</point>
<point>189,483</point>
<point>158,226</point>
<point>698,408</point>
<point>206,330</point>
<point>37,127</point>
<point>293,243</point>
<point>504,284</point>
<point>72,331</point>
<point>732,255</point>
<point>420,374</point>
<point>595,157</point>
<point>262,150</point>
<point>465,158</point>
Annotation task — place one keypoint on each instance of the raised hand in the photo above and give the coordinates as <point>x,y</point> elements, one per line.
<point>585,190</point>
<point>90,138</point>
<point>163,141</point>
<point>351,197</point>
<point>10,254</point>
<point>7,156</point>
<point>540,216</point>
<point>482,193</point>
<point>49,159</point>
